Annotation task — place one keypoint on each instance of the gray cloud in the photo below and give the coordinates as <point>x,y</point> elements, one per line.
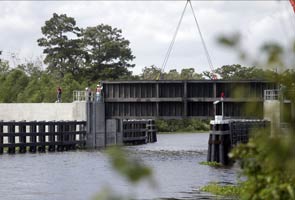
<point>149,27</point>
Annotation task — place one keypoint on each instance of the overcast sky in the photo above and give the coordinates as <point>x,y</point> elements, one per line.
<point>149,27</point>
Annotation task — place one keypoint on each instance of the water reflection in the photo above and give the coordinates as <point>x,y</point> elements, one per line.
<point>174,159</point>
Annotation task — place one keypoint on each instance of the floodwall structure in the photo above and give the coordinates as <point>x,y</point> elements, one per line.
<point>184,98</point>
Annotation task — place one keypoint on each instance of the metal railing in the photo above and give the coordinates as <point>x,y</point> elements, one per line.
<point>271,94</point>
<point>79,95</point>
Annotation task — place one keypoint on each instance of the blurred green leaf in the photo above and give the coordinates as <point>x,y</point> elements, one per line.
<point>134,170</point>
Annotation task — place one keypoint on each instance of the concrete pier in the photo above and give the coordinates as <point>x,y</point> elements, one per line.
<point>227,133</point>
<point>101,132</point>
<point>96,127</point>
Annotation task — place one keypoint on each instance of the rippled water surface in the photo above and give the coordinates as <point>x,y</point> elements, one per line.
<point>174,160</point>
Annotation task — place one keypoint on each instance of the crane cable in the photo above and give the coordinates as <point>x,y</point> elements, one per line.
<point>174,38</point>
<point>202,39</point>
<point>172,43</point>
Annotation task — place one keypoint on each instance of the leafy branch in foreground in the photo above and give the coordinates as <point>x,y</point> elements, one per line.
<point>131,168</point>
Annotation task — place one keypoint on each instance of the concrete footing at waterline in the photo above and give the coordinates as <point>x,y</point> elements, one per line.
<point>101,132</point>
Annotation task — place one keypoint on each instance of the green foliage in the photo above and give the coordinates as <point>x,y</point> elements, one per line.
<point>223,190</point>
<point>190,74</point>
<point>134,170</point>
<point>68,85</point>
<point>268,163</point>
<point>13,86</point>
<point>29,83</point>
<point>93,53</point>
<point>238,72</point>
<point>108,53</point>
<point>226,72</point>
<point>63,54</point>
<point>212,164</point>
<point>4,67</point>
<point>182,125</point>
<point>155,73</point>
<point>150,73</point>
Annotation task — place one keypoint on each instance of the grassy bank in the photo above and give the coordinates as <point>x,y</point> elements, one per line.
<point>223,190</point>
<point>182,125</point>
<point>212,164</point>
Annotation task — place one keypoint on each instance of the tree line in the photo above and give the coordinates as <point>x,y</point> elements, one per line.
<point>77,57</point>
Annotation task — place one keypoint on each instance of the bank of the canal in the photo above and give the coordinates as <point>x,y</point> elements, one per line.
<point>174,159</point>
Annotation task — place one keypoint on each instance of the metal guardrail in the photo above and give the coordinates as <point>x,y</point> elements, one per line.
<point>271,94</point>
<point>79,95</point>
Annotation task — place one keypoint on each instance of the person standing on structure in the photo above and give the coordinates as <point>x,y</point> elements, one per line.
<point>59,91</point>
<point>88,94</point>
<point>98,92</point>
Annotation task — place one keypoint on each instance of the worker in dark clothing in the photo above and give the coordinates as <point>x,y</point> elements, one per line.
<point>88,94</point>
<point>59,91</point>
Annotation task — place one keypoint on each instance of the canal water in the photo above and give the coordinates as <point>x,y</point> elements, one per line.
<point>77,175</point>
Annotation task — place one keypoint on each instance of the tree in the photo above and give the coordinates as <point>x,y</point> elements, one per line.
<point>13,85</point>
<point>31,68</point>
<point>107,53</point>
<point>172,75</point>
<point>238,72</point>
<point>62,53</point>
<point>151,73</point>
<point>154,73</point>
<point>4,67</point>
<point>190,74</point>
<point>208,74</point>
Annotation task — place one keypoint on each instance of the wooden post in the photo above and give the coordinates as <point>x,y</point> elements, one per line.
<point>59,138</point>
<point>42,137</point>
<point>82,127</point>
<point>33,137</point>
<point>66,135</point>
<point>11,137</point>
<point>1,137</point>
<point>22,137</point>
<point>222,153</point>
<point>51,137</point>
<point>213,157</point>
<point>209,155</point>
<point>72,136</point>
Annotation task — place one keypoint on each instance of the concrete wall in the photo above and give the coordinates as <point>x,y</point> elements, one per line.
<point>43,111</point>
